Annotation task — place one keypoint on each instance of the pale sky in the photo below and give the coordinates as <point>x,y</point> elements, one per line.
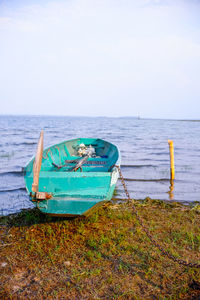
<point>100,58</point>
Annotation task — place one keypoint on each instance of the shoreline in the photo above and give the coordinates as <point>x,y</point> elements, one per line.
<point>114,201</point>
<point>105,255</point>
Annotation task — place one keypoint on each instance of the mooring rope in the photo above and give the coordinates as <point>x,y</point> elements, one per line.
<point>155,243</point>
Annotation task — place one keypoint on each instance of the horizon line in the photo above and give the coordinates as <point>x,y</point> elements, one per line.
<point>137,117</point>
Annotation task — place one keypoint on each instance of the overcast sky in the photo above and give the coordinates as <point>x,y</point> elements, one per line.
<point>100,58</point>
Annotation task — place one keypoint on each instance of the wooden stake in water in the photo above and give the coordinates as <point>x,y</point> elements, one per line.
<point>171,190</point>
<point>171,150</point>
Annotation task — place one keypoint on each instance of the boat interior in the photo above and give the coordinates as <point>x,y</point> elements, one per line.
<point>65,156</point>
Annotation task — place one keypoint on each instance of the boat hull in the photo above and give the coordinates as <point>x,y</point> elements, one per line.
<point>74,193</point>
<point>98,189</point>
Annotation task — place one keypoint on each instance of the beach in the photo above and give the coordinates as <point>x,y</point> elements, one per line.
<point>105,256</point>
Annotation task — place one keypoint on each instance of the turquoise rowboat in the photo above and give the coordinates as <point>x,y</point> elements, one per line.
<point>73,177</point>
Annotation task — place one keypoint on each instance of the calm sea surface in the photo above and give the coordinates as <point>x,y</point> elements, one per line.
<point>143,144</point>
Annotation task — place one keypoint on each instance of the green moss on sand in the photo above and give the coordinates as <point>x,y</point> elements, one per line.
<point>105,256</point>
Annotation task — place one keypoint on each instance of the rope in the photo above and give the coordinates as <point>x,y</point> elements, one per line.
<point>155,243</point>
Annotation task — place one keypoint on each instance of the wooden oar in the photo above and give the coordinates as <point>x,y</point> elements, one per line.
<point>37,163</point>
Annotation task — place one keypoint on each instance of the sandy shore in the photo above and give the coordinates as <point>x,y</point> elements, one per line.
<point>106,256</point>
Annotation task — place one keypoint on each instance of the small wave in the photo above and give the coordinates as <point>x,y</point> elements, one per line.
<point>137,166</point>
<point>15,173</point>
<point>27,143</point>
<point>159,153</point>
<point>148,180</point>
<point>7,155</point>
<point>13,190</point>
<point>21,144</point>
<point>162,160</point>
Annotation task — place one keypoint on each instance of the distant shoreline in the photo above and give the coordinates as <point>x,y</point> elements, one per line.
<point>106,117</point>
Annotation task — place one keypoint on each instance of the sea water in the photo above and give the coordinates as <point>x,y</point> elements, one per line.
<point>143,144</point>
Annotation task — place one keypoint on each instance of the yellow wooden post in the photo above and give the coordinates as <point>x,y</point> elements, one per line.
<point>171,190</point>
<point>171,150</point>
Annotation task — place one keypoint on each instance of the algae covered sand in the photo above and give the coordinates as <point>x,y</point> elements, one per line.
<point>105,256</point>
